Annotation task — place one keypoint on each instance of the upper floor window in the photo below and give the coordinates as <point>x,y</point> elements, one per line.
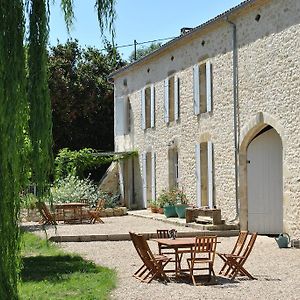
<point>148,107</point>
<point>171,105</point>
<point>122,118</point>
<point>202,80</point>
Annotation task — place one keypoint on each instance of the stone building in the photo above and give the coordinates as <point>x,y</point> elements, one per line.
<point>216,113</point>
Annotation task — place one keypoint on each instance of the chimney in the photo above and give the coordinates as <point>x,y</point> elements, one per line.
<point>185,30</point>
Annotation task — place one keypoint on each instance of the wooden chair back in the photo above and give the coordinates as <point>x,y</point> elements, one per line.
<point>237,249</point>
<point>236,262</point>
<point>100,205</point>
<point>162,233</point>
<point>240,242</point>
<point>48,218</point>
<point>248,247</point>
<point>205,245</point>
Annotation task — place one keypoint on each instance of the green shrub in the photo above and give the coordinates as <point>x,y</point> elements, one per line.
<point>73,189</point>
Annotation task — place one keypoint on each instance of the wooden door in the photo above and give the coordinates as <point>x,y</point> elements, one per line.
<point>265,194</point>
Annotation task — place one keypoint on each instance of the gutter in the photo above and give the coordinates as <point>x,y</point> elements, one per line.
<point>225,15</point>
<point>235,114</point>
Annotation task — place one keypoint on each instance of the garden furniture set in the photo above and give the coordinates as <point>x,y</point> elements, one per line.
<point>201,250</point>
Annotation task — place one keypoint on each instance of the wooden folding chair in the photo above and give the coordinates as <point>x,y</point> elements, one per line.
<point>237,249</point>
<point>153,265</point>
<point>236,262</point>
<point>95,214</point>
<point>48,218</point>
<point>203,253</point>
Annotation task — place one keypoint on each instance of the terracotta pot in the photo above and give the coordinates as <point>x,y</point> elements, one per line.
<point>154,209</point>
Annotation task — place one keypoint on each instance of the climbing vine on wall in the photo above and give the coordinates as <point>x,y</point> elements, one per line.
<point>75,163</point>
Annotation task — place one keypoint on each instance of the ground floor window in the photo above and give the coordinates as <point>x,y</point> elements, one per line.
<point>204,174</point>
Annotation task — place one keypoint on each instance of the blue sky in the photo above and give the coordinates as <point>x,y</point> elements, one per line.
<point>139,20</point>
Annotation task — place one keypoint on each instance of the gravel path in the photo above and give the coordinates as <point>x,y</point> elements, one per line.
<point>277,270</point>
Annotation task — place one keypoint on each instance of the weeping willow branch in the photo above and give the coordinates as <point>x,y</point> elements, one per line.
<point>12,104</point>
<point>14,111</point>
<point>40,122</point>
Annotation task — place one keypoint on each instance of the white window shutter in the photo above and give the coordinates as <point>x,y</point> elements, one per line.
<point>144,179</point>
<point>121,179</point>
<point>208,87</point>
<point>196,87</point>
<point>152,100</point>
<point>153,174</point>
<point>166,103</point>
<point>143,109</point>
<point>120,116</point>
<point>198,174</point>
<point>176,98</point>
<point>210,191</point>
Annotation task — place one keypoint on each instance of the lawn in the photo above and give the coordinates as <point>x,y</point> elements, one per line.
<point>49,273</point>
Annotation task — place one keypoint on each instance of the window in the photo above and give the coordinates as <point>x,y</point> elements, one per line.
<point>148,106</point>
<point>202,80</point>
<point>173,168</point>
<point>171,105</point>
<point>204,174</point>
<point>122,116</point>
<point>149,176</point>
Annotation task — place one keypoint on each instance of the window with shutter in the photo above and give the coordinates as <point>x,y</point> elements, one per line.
<point>122,116</point>
<point>204,174</point>
<point>173,168</point>
<point>144,178</point>
<point>153,171</point>
<point>152,101</point>
<point>166,100</point>
<point>147,107</point>
<point>202,87</point>
<point>171,85</point>
<point>176,97</point>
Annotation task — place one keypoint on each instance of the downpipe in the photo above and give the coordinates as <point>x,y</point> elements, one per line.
<point>235,116</point>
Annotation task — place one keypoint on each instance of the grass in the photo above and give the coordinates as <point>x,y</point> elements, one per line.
<point>49,273</point>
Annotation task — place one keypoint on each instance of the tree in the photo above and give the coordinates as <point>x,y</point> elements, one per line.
<point>143,51</point>
<point>81,97</point>
<point>25,107</point>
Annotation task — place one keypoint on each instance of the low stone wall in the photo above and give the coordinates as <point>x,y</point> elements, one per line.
<point>33,215</point>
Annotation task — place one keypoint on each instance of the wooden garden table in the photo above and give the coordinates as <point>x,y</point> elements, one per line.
<point>72,208</point>
<point>180,245</point>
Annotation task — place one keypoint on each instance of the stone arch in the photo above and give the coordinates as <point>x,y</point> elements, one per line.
<point>248,132</point>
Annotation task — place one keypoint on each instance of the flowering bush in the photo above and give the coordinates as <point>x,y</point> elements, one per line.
<point>73,189</point>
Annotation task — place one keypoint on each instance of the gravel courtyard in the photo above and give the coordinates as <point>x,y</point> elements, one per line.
<point>277,270</point>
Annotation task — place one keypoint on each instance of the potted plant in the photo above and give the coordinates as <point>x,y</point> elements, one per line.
<point>167,201</point>
<point>181,203</point>
<point>153,205</point>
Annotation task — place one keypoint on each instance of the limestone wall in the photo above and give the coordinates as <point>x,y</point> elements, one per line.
<point>268,86</point>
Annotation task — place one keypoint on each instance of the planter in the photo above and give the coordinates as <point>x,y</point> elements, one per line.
<point>154,209</point>
<point>180,210</point>
<point>160,210</point>
<point>170,211</point>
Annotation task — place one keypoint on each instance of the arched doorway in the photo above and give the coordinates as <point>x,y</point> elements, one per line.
<point>264,182</point>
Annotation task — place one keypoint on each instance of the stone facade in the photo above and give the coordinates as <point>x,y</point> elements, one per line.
<point>268,64</point>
